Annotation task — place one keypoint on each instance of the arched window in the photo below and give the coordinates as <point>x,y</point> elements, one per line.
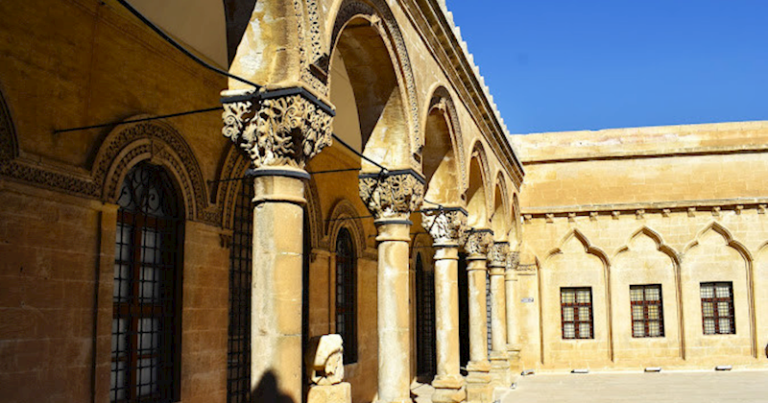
<point>146,324</point>
<point>346,294</point>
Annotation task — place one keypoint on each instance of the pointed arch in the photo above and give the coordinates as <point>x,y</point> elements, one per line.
<point>9,146</point>
<point>661,246</point>
<point>727,236</point>
<point>442,102</point>
<point>478,195</point>
<point>588,247</point>
<point>381,29</point>
<point>344,215</point>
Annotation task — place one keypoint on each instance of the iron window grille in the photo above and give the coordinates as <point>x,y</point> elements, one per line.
<point>647,310</point>
<point>239,330</point>
<point>425,310</point>
<point>346,294</point>
<point>717,311</point>
<point>146,321</point>
<point>576,313</point>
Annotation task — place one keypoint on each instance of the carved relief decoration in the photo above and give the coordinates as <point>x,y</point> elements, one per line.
<point>379,13</point>
<point>395,194</point>
<point>497,256</point>
<point>284,131</point>
<point>513,260</point>
<point>479,242</point>
<point>446,226</point>
<point>120,150</point>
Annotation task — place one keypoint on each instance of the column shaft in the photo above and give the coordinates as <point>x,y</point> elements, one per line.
<point>498,312</point>
<point>478,331</point>
<point>512,325</point>
<point>393,314</point>
<point>276,314</point>
<point>447,312</point>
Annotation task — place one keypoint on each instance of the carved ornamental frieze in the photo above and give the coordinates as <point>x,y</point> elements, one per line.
<point>497,255</point>
<point>478,243</point>
<point>446,225</point>
<point>392,194</point>
<point>278,128</point>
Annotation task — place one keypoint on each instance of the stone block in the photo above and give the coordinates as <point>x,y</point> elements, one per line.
<point>339,393</point>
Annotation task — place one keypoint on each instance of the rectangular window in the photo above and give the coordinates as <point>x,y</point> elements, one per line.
<point>647,311</point>
<point>576,311</point>
<point>717,308</point>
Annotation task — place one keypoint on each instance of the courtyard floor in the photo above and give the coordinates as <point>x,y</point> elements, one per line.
<point>673,387</point>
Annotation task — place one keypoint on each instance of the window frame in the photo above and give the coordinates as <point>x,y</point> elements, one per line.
<point>577,306</point>
<point>715,300</point>
<point>133,308</point>
<point>346,287</point>
<point>646,304</point>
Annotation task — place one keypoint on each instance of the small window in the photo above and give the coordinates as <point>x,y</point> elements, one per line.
<point>717,308</point>
<point>576,311</point>
<point>346,295</point>
<point>647,314</point>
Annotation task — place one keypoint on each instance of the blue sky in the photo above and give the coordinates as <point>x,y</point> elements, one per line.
<point>555,65</point>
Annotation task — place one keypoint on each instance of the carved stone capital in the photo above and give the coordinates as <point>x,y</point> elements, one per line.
<point>446,225</point>
<point>393,194</point>
<point>478,243</point>
<point>513,260</point>
<point>497,256</point>
<point>284,127</point>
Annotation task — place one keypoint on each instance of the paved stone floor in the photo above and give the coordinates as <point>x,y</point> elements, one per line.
<point>672,387</point>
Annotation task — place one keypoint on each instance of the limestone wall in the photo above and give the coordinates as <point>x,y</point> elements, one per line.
<point>673,206</point>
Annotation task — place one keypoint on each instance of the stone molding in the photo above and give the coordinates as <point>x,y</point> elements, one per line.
<point>392,194</point>
<point>497,254</point>
<point>447,225</point>
<point>478,243</point>
<point>285,127</point>
<point>640,211</point>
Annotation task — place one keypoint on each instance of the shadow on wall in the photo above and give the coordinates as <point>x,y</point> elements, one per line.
<point>267,391</point>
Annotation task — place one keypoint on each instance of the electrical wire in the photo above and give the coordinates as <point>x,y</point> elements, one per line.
<point>147,119</point>
<point>180,48</point>
<point>203,63</point>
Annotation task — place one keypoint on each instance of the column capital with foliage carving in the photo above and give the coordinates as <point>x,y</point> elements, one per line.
<point>392,195</point>
<point>497,255</point>
<point>277,128</point>
<point>478,243</point>
<point>447,225</point>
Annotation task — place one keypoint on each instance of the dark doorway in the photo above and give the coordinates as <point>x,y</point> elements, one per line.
<point>463,312</point>
<point>426,360</point>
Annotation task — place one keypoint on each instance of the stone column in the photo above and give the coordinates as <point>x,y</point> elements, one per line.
<point>446,226</point>
<point>499,360</point>
<point>510,279</point>
<point>391,197</point>
<point>478,380</point>
<point>279,130</point>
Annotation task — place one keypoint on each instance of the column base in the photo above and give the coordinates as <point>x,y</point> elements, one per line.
<point>340,393</point>
<point>449,389</point>
<point>500,372</point>
<point>513,355</point>
<point>479,388</point>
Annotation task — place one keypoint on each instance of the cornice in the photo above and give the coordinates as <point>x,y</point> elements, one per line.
<point>443,40</point>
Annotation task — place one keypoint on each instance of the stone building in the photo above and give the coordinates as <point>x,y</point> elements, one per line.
<point>362,183</point>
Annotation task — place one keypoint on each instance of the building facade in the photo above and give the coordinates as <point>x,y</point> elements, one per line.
<point>171,234</point>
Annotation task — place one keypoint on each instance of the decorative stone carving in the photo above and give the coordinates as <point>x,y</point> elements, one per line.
<point>281,131</point>
<point>497,256</point>
<point>394,194</point>
<point>447,225</point>
<point>513,260</point>
<point>325,360</point>
<point>478,242</point>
